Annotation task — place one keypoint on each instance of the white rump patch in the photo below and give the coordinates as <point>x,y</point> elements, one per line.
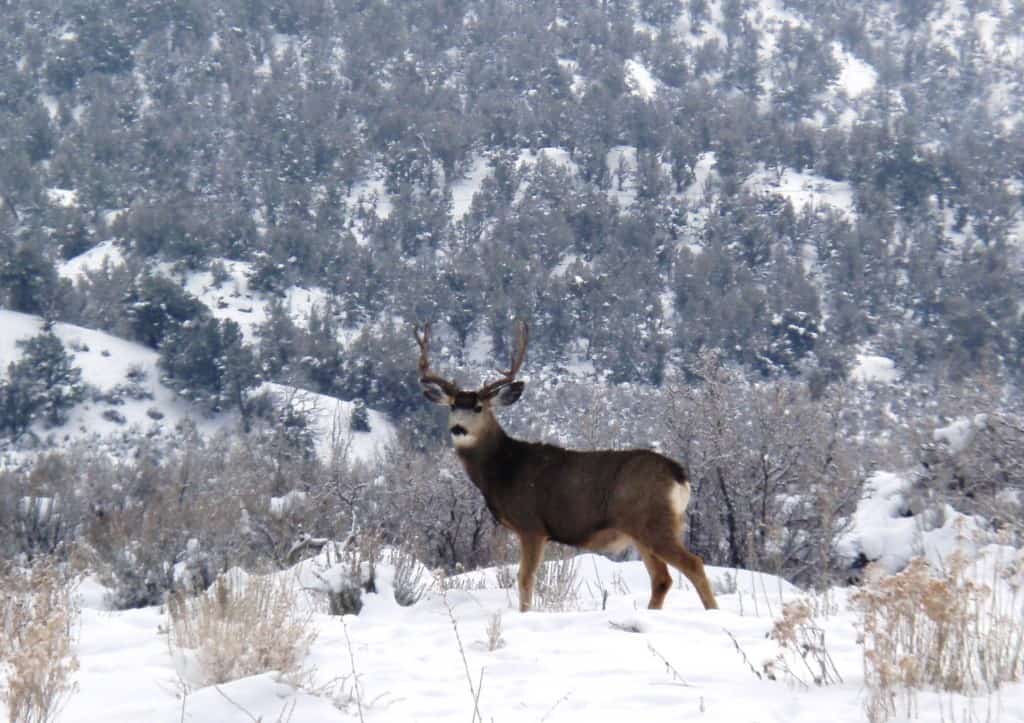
<point>679,498</point>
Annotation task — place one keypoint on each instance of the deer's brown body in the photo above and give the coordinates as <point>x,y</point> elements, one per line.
<point>599,500</point>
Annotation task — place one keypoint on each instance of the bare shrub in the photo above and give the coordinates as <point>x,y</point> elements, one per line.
<point>505,576</point>
<point>774,473</point>
<point>347,570</point>
<point>944,631</point>
<point>976,464</point>
<point>558,585</point>
<point>37,618</point>
<point>411,580</point>
<point>494,628</point>
<point>803,653</point>
<point>427,492</point>
<point>242,627</point>
<point>39,506</point>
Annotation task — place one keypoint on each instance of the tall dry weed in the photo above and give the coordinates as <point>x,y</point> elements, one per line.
<point>242,627</point>
<point>558,585</point>
<point>803,656</point>
<point>945,631</point>
<point>37,620</point>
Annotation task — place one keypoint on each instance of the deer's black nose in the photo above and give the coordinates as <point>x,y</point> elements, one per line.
<point>458,430</point>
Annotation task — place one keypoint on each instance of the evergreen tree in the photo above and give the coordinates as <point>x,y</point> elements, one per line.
<point>28,280</point>
<point>157,306</point>
<point>43,384</point>
<point>207,361</point>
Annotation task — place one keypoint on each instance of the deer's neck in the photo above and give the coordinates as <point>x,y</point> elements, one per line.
<point>491,460</point>
<point>487,442</point>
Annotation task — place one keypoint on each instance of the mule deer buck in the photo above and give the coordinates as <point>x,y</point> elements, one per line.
<point>599,500</point>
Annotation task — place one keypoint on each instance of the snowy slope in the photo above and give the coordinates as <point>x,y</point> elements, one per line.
<point>93,259</point>
<point>330,421</point>
<point>233,299</point>
<point>107,361</point>
<point>619,664</point>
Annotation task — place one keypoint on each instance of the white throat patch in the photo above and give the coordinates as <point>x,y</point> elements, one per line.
<point>463,440</point>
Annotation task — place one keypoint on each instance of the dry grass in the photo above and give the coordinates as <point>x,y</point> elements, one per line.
<point>803,654</point>
<point>505,576</point>
<point>411,580</point>
<point>558,585</point>
<point>241,628</point>
<point>494,629</point>
<point>474,690</point>
<point>37,618</point>
<point>939,631</point>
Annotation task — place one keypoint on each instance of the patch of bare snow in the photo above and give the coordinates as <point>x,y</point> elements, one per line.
<point>856,77</point>
<point>106,362</point>
<point>640,81</point>
<point>51,104</point>
<point>464,189</point>
<point>703,174</point>
<point>63,197</point>
<point>552,154</point>
<point>232,298</point>
<point>103,252</point>
<point>621,164</point>
<point>578,83</point>
<point>367,198</point>
<point>959,433</point>
<point>871,368</point>
<point>803,189</point>
<point>330,420</point>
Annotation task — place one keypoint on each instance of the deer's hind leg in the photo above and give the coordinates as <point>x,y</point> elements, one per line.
<point>661,580</point>
<point>691,565</point>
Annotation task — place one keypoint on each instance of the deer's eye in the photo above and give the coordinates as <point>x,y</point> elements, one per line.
<point>478,408</point>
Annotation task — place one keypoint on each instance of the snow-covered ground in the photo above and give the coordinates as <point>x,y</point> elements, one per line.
<point>232,298</point>
<point>601,657</point>
<point>106,362</point>
<point>92,260</point>
<point>803,189</point>
<point>587,664</point>
<point>129,398</point>
<point>874,368</point>
<point>329,419</point>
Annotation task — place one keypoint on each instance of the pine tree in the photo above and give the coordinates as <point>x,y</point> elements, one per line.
<point>28,281</point>
<point>43,383</point>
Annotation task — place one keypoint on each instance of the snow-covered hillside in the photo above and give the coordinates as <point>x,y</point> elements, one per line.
<point>127,400</point>
<point>106,362</point>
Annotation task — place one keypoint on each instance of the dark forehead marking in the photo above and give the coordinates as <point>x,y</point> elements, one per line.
<point>465,400</point>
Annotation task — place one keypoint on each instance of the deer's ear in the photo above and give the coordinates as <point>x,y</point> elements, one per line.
<point>509,394</point>
<point>434,393</point>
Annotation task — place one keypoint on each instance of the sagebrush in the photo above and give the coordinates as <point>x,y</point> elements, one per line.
<point>241,627</point>
<point>937,630</point>
<point>38,615</point>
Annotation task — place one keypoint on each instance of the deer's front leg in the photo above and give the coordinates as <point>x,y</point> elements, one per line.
<point>531,552</point>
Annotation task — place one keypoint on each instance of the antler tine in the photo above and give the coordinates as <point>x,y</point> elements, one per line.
<point>518,357</point>
<point>426,375</point>
<point>520,354</point>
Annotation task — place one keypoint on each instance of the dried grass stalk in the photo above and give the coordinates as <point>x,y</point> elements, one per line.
<point>558,585</point>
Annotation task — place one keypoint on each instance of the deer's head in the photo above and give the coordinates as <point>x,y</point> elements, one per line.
<point>471,413</point>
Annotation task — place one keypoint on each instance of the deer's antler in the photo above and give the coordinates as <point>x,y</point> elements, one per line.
<point>426,375</point>
<point>508,376</point>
